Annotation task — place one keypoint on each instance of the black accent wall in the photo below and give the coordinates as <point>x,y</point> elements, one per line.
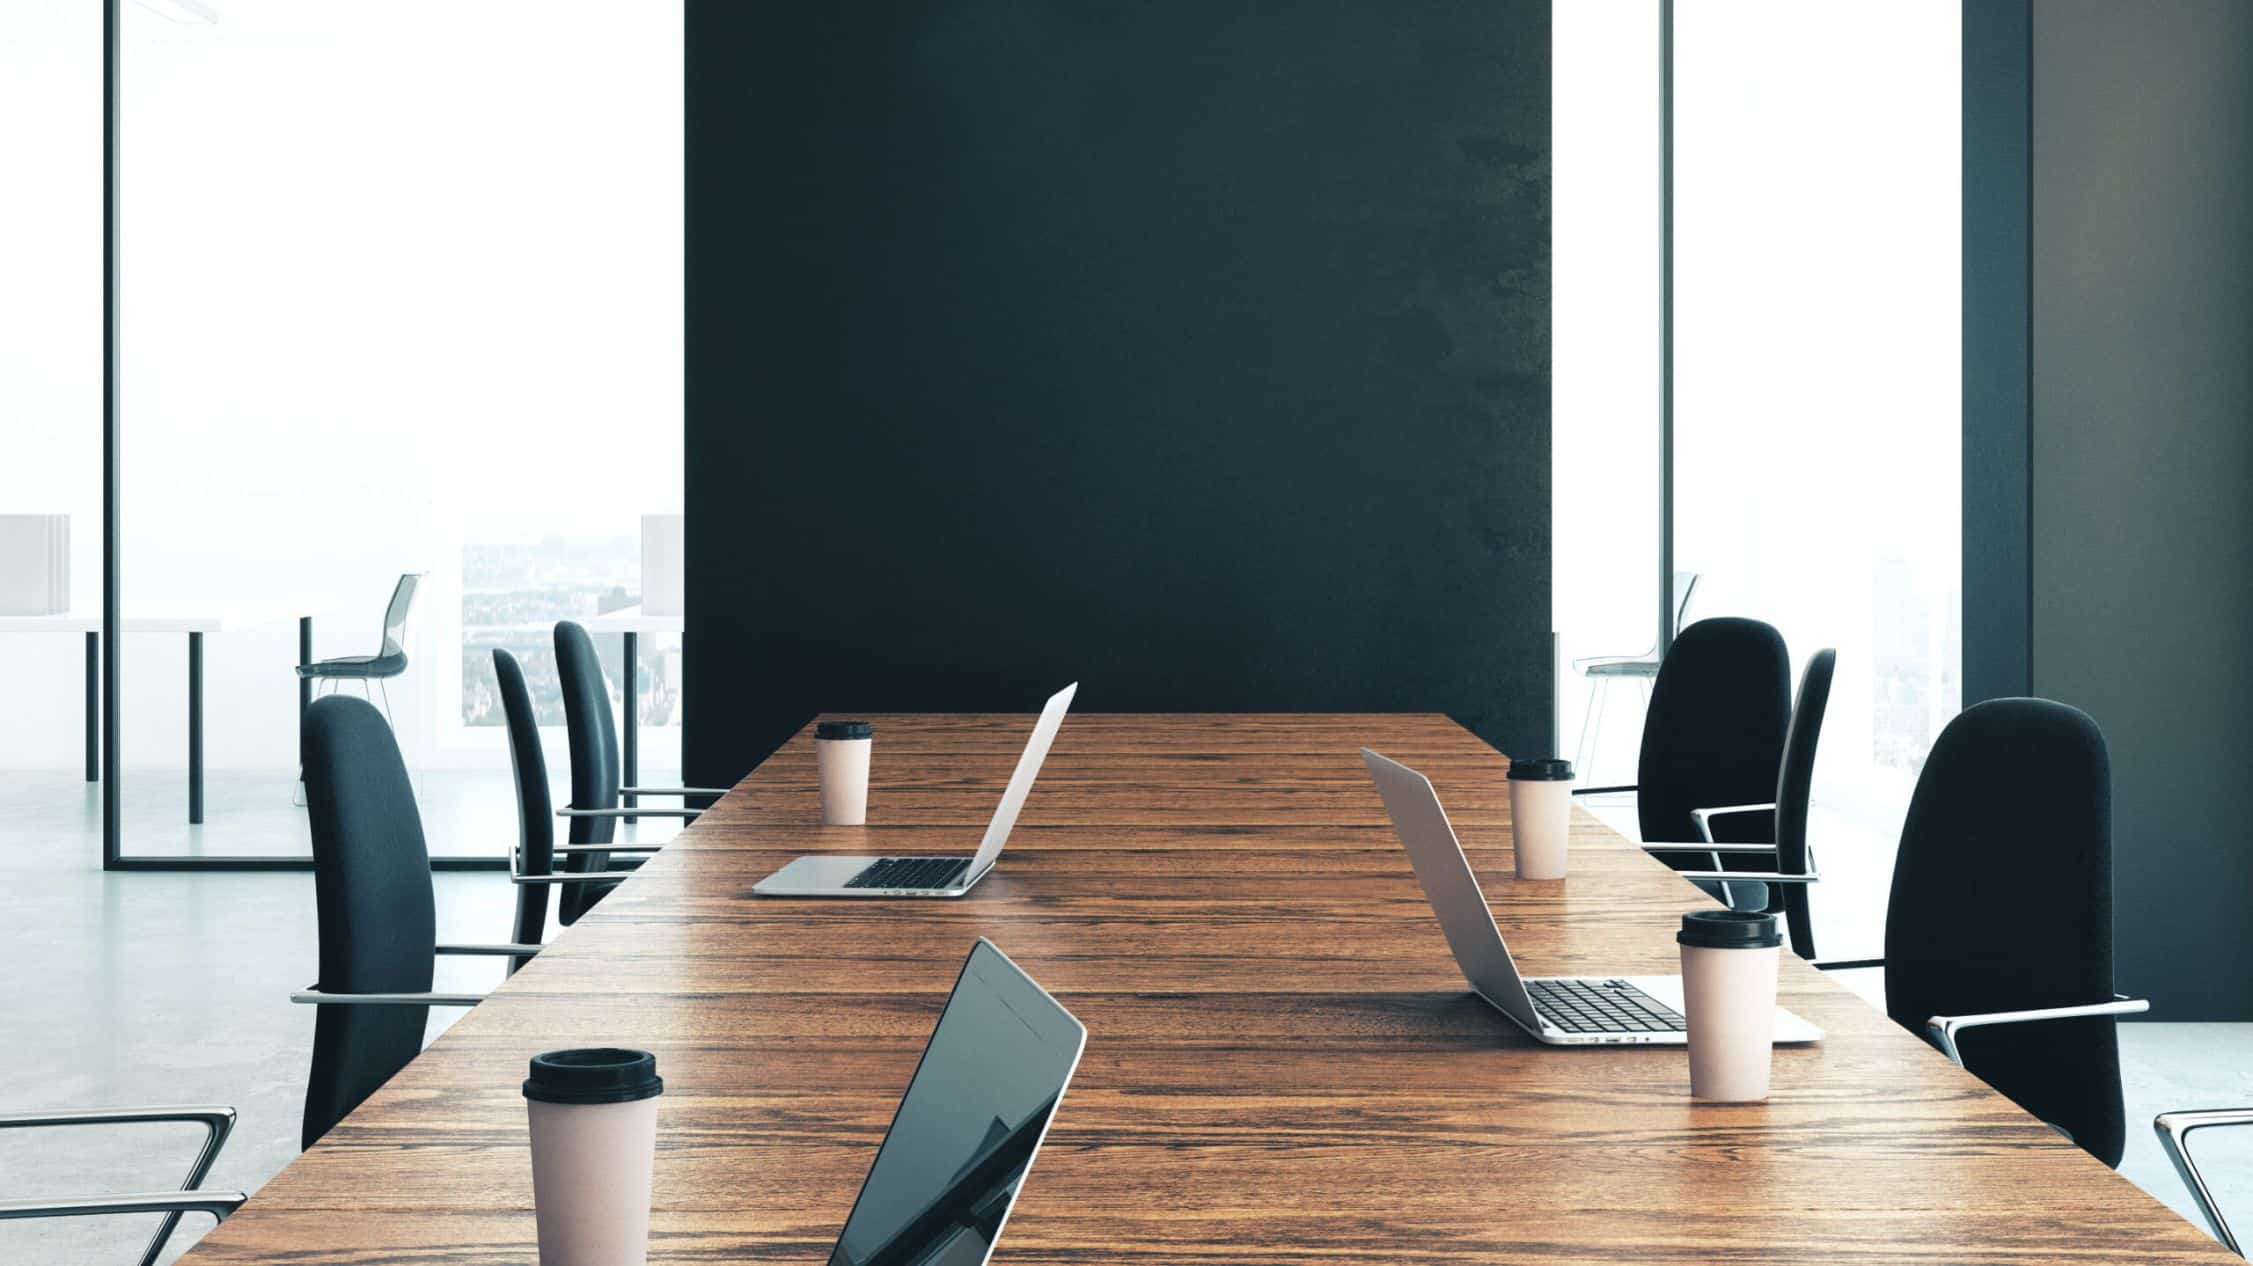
<point>1197,350</point>
<point>2135,137</point>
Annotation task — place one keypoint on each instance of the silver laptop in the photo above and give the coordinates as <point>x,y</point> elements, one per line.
<point>1558,1010</point>
<point>970,1125</point>
<point>823,875</point>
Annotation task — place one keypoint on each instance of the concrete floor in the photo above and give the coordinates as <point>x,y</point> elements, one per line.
<point>154,988</point>
<point>165,988</point>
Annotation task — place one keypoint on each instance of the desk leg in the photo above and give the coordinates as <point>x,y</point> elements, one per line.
<point>631,675</point>
<point>93,707</point>
<point>195,729</point>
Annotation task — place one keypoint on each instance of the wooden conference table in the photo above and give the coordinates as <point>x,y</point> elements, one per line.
<point>1283,1064</point>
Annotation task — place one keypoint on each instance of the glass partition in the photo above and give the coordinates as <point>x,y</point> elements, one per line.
<point>1605,323</point>
<point>50,411</point>
<point>402,295</point>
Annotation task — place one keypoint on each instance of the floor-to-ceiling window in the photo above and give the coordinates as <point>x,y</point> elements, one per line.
<point>401,292</point>
<point>1605,402</point>
<point>1815,372</point>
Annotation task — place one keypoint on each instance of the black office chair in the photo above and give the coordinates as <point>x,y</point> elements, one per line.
<point>371,882</point>
<point>595,807</point>
<point>1714,738</point>
<point>2001,914</point>
<point>217,1123</point>
<point>1783,890</point>
<point>532,866</point>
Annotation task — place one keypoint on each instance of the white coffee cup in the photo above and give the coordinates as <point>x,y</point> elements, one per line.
<point>841,750</point>
<point>1729,1002</point>
<point>593,1116</point>
<point>1540,816</point>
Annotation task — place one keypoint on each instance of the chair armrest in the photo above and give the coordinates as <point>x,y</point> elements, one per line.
<point>516,873</point>
<point>1847,964</point>
<point>495,951</point>
<point>2174,1130</point>
<point>1710,848</point>
<point>216,1203</point>
<point>319,997</point>
<point>1598,791</point>
<point>1942,1029</point>
<point>566,850</point>
<point>576,877</point>
<point>673,791</point>
<point>216,1120</point>
<point>628,813</point>
<point>1748,877</point>
<point>1703,818</point>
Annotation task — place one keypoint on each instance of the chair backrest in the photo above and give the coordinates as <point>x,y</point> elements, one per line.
<point>2002,901</point>
<point>535,811</point>
<point>1714,734</point>
<point>594,760</point>
<point>1685,584</point>
<point>371,884</point>
<point>395,615</point>
<point>1795,783</point>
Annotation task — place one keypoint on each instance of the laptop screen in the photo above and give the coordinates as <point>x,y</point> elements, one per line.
<point>1021,780</point>
<point>968,1126</point>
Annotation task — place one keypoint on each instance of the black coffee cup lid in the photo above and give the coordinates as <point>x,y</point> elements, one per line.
<point>844,730</point>
<point>1541,771</point>
<point>1728,929</point>
<point>603,1074</point>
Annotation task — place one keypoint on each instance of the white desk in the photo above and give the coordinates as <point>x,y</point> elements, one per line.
<point>630,623</point>
<point>91,627</point>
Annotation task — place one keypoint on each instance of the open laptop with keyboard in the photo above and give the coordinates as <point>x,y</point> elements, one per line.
<point>1600,1006</point>
<point>819,875</point>
<point>1556,1010</point>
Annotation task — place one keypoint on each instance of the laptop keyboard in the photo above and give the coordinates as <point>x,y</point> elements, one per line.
<point>910,872</point>
<point>1601,1006</point>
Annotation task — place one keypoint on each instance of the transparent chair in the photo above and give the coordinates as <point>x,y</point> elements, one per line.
<point>388,662</point>
<point>1604,671</point>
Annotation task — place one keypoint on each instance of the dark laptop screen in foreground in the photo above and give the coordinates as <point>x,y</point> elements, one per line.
<point>968,1126</point>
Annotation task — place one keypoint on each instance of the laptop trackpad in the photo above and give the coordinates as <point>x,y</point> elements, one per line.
<point>813,874</point>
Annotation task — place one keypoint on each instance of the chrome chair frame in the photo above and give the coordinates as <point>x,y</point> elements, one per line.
<point>1942,1029</point>
<point>1725,877</point>
<point>2174,1130</point>
<point>517,875</point>
<point>218,1123</point>
<point>317,996</point>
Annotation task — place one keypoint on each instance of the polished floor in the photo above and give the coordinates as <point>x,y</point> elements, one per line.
<point>152,988</point>
<point>167,988</point>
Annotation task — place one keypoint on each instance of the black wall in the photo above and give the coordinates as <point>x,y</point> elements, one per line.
<point>2138,429</point>
<point>1194,349</point>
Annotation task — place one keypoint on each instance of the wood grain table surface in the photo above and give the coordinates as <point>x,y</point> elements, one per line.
<point>1283,1063</point>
